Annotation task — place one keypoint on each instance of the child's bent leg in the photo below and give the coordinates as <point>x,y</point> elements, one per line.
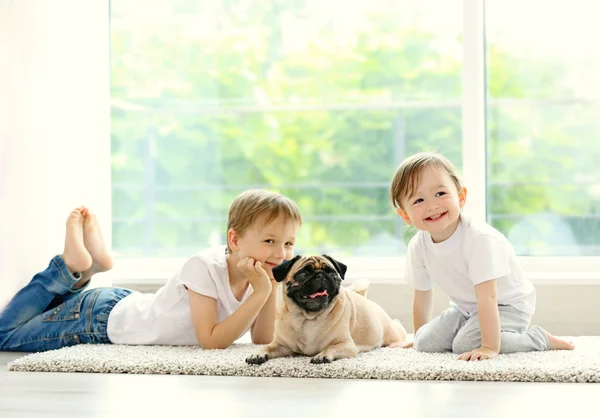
<point>515,336</point>
<point>34,298</point>
<point>80,320</point>
<point>57,280</point>
<point>437,335</point>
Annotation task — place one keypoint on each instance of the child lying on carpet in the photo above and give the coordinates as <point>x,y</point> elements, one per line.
<point>491,300</point>
<point>216,297</point>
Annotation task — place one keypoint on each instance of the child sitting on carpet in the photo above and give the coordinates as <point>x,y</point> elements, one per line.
<point>214,299</point>
<point>491,300</point>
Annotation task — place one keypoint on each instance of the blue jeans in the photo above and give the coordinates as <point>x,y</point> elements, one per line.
<point>47,315</point>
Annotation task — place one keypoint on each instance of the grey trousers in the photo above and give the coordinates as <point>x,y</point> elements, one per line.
<point>452,331</point>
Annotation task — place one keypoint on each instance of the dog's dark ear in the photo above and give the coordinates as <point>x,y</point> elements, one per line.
<point>340,267</point>
<point>281,271</point>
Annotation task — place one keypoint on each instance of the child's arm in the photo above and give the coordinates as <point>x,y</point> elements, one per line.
<point>264,326</point>
<point>214,334</point>
<point>422,310</point>
<point>489,321</point>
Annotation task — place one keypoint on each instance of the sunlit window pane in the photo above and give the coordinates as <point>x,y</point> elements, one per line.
<point>543,125</point>
<point>317,99</point>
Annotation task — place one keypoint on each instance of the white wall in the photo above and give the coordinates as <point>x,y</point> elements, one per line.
<point>54,128</point>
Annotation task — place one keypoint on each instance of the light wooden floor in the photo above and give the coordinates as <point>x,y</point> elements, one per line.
<point>106,395</point>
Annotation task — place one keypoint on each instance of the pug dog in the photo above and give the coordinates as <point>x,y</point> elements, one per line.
<point>320,318</point>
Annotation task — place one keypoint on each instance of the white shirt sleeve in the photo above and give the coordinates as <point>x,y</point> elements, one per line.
<point>196,276</point>
<point>489,259</point>
<point>415,272</point>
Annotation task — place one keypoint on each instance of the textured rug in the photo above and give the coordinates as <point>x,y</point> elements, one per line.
<point>580,365</point>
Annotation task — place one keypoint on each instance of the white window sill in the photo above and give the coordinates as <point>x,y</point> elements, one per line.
<point>378,270</point>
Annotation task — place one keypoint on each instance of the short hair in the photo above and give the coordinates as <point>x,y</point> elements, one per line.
<point>407,175</point>
<point>248,206</point>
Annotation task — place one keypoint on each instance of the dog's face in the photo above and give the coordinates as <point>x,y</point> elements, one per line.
<point>311,282</point>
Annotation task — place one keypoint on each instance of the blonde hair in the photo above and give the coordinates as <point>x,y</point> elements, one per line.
<point>407,175</point>
<point>247,207</point>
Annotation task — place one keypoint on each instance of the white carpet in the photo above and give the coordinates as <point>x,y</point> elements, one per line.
<point>580,365</point>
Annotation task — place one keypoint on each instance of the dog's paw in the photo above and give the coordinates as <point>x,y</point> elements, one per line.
<point>257,358</point>
<point>321,360</point>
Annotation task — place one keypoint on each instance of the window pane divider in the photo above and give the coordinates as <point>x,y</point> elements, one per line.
<point>473,108</point>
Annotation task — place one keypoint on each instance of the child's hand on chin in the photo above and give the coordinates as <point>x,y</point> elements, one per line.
<point>256,274</point>
<point>270,274</point>
<point>481,353</point>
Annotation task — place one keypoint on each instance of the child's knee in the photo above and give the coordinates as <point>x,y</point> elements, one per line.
<point>425,343</point>
<point>464,344</point>
<point>426,346</point>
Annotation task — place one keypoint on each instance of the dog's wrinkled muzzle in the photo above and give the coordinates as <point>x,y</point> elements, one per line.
<point>315,293</point>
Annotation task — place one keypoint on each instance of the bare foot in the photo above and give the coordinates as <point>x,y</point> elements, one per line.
<point>94,243</point>
<point>558,343</point>
<point>75,256</point>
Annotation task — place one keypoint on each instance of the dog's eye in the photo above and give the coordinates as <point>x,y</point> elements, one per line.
<point>329,270</point>
<point>304,273</point>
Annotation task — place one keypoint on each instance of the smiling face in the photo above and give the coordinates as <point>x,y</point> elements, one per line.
<point>434,205</point>
<point>268,242</point>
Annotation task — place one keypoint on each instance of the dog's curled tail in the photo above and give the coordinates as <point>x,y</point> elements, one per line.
<point>360,286</point>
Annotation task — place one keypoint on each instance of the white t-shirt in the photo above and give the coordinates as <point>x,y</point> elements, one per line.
<point>474,254</point>
<point>164,317</point>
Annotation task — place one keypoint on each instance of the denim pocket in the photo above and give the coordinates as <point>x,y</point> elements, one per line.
<point>68,311</point>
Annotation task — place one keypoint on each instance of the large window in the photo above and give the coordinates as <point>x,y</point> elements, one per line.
<point>543,125</point>
<point>317,99</point>
<point>321,100</point>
